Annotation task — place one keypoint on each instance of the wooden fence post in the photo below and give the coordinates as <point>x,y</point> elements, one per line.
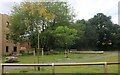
<point>53,69</point>
<point>105,68</point>
<point>2,70</point>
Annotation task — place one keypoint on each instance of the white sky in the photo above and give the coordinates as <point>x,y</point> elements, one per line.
<point>84,9</point>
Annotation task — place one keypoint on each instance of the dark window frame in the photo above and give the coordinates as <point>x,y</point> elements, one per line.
<point>15,49</point>
<point>7,48</point>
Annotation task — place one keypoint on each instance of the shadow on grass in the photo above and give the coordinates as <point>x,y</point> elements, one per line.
<point>11,62</point>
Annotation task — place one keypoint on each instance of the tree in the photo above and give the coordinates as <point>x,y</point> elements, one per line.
<point>86,36</point>
<point>63,13</point>
<point>63,16</point>
<point>116,36</point>
<point>104,28</point>
<point>79,25</point>
<point>98,32</point>
<point>29,18</point>
<point>65,36</point>
<point>27,21</point>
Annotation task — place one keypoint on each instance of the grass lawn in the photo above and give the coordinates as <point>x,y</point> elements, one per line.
<point>70,69</point>
<point>53,58</point>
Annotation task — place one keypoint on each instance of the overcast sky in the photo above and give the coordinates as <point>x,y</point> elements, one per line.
<point>84,9</point>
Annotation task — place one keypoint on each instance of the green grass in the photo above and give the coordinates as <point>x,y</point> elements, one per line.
<point>53,58</point>
<point>71,69</point>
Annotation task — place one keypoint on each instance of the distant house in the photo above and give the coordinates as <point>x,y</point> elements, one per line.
<point>7,46</point>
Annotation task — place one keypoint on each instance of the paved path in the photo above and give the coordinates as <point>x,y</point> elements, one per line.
<point>89,59</point>
<point>73,60</point>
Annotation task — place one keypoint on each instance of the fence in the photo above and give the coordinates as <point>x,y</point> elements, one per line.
<point>62,64</point>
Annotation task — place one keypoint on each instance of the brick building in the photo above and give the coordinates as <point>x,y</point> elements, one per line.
<point>7,46</point>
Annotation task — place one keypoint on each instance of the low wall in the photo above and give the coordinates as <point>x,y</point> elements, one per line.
<point>87,52</point>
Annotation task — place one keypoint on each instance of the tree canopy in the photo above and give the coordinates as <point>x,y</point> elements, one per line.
<point>54,22</point>
<point>29,18</point>
<point>65,36</point>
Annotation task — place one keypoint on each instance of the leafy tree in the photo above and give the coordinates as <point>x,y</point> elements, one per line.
<point>65,36</point>
<point>98,31</point>
<point>63,13</point>
<point>105,30</point>
<point>29,18</point>
<point>86,36</point>
<point>79,25</point>
<point>48,39</point>
<point>63,16</point>
<point>116,36</point>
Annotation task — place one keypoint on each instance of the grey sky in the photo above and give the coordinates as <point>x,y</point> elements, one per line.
<point>84,9</point>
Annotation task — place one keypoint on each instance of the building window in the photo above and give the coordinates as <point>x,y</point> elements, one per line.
<point>7,48</point>
<point>15,49</point>
<point>7,36</point>
<point>7,23</point>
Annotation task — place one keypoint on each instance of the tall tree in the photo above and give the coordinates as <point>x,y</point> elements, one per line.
<point>63,16</point>
<point>103,26</point>
<point>116,36</point>
<point>29,18</point>
<point>86,36</point>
